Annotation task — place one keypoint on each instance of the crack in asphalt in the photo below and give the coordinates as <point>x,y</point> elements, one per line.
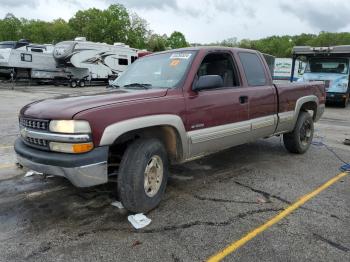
<point>220,200</point>
<point>265,194</point>
<point>209,223</point>
<point>268,197</point>
<point>331,243</point>
<point>181,226</point>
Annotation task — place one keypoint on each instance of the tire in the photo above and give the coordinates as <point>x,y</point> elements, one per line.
<point>141,155</point>
<point>345,102</point>
<point>299,140</point>
<point>73,84</point>
<point>82,83</point>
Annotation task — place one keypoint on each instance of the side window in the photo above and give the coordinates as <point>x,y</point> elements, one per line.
<point>133,59</point>
<point>26,57</point>
<point>123,61</point>
<point>253,69</point>
<point>219,64</point>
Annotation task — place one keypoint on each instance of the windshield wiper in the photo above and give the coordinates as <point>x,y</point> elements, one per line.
<point>145,86</point>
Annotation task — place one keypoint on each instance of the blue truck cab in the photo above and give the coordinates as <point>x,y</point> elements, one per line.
<point>327,64</point>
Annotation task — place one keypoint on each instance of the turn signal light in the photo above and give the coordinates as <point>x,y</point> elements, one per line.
<point>82,148</point>
<point>71,148</point>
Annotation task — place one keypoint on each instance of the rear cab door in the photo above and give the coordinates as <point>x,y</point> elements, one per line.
<point>261,94</point>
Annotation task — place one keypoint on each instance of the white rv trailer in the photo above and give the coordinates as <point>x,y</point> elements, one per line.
<point>86,60</point>
<point>30,61</point>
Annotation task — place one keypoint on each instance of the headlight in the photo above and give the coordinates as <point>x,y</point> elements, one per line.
<point>71,148</point>
<point>343,86</point>
<point>70,126</point>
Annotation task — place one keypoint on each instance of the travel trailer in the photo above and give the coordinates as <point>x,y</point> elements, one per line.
<point>22,59</point>
<point>92,61</point>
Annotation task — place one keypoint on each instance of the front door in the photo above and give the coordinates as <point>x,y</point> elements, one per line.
<point>217,118</point>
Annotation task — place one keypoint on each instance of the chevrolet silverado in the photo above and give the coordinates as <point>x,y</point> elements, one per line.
<point>166,108</point>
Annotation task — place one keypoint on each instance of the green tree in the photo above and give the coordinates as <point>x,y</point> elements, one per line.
<point>177,40</point>
<point>138,32</point>
<point>10,28</point>
<point>36,31</point>
<point>157,43</point>
<point>60,31</point>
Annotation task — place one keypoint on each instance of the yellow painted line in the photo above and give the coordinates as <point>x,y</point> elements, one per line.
<point>3,166</point>
<point>237,244</point>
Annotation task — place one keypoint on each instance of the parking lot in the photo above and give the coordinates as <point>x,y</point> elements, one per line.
<point>209,203</point>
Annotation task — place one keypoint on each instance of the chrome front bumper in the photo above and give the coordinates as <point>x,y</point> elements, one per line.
<point>82,170</point>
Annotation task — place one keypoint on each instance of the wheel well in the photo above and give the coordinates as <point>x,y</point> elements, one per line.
<point>168,135</point>
<point>310,106</point>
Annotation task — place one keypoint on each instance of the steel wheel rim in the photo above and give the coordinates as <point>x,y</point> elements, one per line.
<point>153,176</point>
<point>305,133</point>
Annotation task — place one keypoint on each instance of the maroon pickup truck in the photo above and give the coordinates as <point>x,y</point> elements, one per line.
<point>166,108</point>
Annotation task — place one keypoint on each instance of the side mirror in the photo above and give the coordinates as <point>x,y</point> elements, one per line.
<point>208,82</point>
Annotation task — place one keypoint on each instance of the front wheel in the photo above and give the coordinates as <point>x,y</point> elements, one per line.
<point>299,140</point>
<point>73,84</point>
<point>143,175</point>
<point>346,101</point>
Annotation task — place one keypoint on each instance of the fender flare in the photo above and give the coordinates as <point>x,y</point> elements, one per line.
<point>114,131</point>
<point>300,102</point>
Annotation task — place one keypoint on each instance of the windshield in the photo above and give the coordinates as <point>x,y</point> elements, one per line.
<point>328,65</point>
<point>163,70</point>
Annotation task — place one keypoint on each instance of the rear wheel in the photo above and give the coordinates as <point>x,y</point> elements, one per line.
<point>143,175</point>
<point>299,140</point>
<point>82,83</point>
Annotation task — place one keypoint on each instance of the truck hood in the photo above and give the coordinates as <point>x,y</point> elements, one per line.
<point>65,107</point>
<point>336,83</point>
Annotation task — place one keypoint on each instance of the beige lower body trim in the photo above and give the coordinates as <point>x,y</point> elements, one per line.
<point>208,140</point>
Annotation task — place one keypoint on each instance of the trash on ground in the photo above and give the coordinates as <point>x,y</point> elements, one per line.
<point>261,200</point>
<point>139,220</point>
<point>32,173</point>
<point>117,204</point>
<point>347,142</point>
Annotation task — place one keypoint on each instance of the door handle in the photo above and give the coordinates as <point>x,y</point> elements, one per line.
<point>243,99</point>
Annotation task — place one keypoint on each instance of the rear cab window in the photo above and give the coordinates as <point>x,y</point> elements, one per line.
<point>253,69</point>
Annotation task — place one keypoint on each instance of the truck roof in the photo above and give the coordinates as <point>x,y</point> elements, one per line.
<point>197,48</point>
<point>340,50</point>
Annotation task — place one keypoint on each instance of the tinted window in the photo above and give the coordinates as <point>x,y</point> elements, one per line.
<point>219,64</point>
<point>253,69</point>
<point>123,61</point>
<point>3,46</point>
<point>329,65</point>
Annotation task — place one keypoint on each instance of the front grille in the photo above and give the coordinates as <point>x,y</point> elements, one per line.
<point>36,141</point>
<point>34,123</point>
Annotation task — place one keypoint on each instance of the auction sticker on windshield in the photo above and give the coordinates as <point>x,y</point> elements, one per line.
<point>180,56</point>
<point>175,62</point>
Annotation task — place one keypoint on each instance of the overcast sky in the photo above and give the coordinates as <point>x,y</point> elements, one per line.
<point>204,21</point>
